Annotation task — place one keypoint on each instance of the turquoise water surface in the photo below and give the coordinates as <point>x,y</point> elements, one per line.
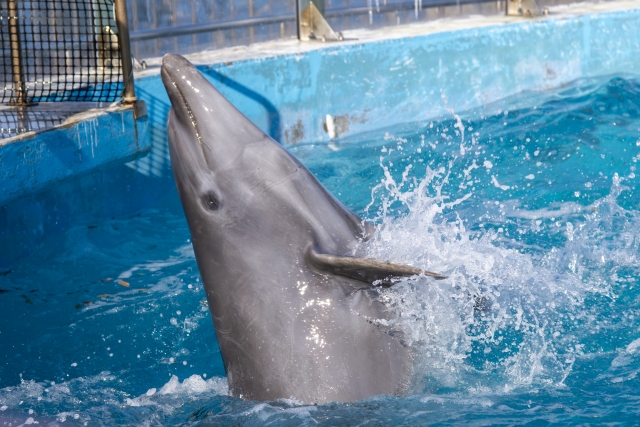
<point>530,206</point>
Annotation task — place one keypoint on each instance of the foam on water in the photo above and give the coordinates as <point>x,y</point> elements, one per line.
<point>503,319</point>
<point>530,208</point>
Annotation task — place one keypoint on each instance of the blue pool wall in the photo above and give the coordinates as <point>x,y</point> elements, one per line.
<point>364,86</point>
<point>377,84</point>
<point>73,174</point>
<point>32,163</point>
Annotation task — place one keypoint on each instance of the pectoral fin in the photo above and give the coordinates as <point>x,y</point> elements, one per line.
<point>364,269</point>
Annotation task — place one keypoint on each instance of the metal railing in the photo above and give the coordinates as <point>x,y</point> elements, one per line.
<point>64,50</point>
<point>189,26</point>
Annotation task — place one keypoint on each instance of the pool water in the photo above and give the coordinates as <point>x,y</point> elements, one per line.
<point>529,205</point>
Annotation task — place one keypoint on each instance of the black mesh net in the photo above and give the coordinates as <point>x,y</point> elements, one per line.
<point>59,50</point>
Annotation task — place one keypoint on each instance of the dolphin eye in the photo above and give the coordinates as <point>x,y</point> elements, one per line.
<point>211,201</point>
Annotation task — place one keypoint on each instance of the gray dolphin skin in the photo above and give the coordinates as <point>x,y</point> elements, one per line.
<point>294,308</point>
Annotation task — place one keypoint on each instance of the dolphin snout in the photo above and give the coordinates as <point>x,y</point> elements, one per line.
<point>182,81</point>
<point>219,128</point>
<point>173,64</point>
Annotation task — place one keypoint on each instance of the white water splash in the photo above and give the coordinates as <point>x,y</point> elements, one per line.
<point>195,384</point>
<point>504,318</point>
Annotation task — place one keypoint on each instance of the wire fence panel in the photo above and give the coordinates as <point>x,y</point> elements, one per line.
<point>59,50</point>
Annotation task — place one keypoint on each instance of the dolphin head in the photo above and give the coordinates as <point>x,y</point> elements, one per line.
<point>238,183</point>
<point>276,254</point>
<point>217,130</point>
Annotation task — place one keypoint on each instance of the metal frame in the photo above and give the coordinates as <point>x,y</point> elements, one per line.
<point>51,48</point>
<point>16,57</point>
<point>525,8</point>
<point>129,93</point>
<point>311,23</point>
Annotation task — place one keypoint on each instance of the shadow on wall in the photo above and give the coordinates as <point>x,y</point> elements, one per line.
<point>157,162</point>
<point>273,115</point>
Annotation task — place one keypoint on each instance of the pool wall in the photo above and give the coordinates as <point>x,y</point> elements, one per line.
<point>71,174</point>
<point>373,85</point>
<point>30,163</point>
<point>363,85</point>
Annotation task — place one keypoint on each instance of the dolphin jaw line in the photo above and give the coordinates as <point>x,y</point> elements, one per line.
<point>191,116</point>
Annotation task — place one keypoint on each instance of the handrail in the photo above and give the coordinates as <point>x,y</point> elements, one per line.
<point>347,11</point>
<point>190,29</point>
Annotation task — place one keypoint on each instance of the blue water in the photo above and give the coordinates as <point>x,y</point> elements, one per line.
<point>529,205</point>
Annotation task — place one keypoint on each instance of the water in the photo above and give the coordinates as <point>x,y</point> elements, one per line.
<point>529,205</point>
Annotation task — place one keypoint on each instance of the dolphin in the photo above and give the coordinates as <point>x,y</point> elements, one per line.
<point>294,305</point>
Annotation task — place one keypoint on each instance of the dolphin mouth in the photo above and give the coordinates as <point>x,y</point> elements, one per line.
<point>174,85</point>
<point>172,65</point>
<point>177,74</point>
<point>168,73</point>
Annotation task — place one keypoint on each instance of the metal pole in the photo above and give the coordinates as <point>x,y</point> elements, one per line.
<point>298,23</point>
<point>252,30</point>
<point>125,51</point>
<point>16,57</point>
